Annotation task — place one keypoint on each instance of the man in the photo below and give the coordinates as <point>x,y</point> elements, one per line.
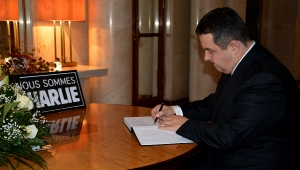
<point>252,120</point>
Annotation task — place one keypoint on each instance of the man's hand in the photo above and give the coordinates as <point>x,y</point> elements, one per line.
<point>167,119</point>
<point>165,112</point>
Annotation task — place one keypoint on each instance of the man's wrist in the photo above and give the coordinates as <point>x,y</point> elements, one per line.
<point>177,110</point>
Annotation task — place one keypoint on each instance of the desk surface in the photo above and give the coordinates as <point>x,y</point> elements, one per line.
<point>102,141</point>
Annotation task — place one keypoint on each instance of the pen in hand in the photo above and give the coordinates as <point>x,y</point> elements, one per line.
<point>161,106</point>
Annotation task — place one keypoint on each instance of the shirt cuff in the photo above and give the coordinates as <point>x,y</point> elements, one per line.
<point>177,110</point>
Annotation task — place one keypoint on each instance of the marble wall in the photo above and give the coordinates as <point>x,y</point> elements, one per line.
<point>203,75</point>
<point>280,32</point>
<point>110,36</point>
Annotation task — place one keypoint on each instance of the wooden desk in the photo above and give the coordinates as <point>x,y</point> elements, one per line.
<point>105,142</point>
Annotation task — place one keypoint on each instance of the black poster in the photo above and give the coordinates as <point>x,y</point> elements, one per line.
<point>52,91</point>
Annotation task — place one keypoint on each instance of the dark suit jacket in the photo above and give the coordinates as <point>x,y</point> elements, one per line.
<point>255,118</point>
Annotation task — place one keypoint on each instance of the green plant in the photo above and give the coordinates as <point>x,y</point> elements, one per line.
<point>23,130</point>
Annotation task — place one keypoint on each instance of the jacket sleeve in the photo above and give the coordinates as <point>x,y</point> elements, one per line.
<point>199,110</point>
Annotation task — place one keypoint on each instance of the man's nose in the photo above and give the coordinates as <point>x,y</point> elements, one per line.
<point>206,56</point>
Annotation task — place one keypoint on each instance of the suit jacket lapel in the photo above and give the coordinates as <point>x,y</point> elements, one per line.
<point>225,89</point>
<point>222,82</point>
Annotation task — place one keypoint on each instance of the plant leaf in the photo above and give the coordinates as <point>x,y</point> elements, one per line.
<point>8,107</point>
<point>6,79</point>
<point>25,152</point>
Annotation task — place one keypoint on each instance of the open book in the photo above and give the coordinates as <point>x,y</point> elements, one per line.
<point>147,133</point>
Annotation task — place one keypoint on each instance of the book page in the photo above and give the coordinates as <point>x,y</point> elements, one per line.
<point>151,135</point>
<point>138,121</point>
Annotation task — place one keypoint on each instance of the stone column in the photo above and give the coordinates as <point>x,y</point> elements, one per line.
<point>110,31</point>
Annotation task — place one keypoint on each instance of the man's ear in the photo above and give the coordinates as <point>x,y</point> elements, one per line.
<point>234,45</point>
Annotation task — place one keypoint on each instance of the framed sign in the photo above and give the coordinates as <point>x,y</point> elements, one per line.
<point>52,91</point>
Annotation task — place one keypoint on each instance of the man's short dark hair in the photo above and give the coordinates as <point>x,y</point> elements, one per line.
<point>225,25</point>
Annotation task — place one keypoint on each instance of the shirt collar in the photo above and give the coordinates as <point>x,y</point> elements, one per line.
<point>242,58</point>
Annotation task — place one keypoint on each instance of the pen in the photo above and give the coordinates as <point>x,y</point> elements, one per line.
<point>161,106</point>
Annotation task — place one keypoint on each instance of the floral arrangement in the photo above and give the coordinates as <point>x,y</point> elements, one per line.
<point>23,130</point>
<point>24,62</point>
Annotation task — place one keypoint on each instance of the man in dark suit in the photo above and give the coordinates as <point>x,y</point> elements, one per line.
<point>252,121</point>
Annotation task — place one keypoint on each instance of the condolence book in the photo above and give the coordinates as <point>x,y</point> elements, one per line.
<point>147,133</point>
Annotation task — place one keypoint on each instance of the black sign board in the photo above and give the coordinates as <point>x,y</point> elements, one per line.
<point>52,91</point>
